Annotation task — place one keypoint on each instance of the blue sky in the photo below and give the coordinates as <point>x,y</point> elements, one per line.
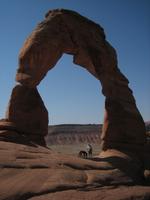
<point>70,93</point>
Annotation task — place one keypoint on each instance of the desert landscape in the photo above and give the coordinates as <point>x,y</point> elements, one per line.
<point>72,138</point>
<point>41,162</point>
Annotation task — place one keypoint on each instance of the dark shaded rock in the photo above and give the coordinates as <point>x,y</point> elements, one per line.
<point>26,114</point>
<point>147,162</point>
<point>123,127</point>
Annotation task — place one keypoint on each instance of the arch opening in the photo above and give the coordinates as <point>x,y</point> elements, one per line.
<point>75,107</point>
<point>71,94</point>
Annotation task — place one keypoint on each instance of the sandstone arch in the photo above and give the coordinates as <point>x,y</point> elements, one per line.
<point>65,31</point>
<point>36,172</point>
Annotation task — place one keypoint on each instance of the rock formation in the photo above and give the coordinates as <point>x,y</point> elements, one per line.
<point>27,114</point>
<point>30,171</point>
<point>65,31</point>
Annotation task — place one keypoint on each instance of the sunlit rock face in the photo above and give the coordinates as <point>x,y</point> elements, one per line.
<point>65,31</point>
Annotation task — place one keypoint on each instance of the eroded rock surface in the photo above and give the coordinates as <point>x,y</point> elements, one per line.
<point>30,171</point>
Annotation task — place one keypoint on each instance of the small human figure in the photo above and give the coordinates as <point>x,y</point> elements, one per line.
<point>89,150</point>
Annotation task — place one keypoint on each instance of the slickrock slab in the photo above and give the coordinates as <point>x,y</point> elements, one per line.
<point>30,171</point>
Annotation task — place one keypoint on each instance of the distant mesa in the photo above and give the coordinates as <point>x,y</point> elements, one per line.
<point>63,134</point>
<point>29,169</point>
<point>74,134</point>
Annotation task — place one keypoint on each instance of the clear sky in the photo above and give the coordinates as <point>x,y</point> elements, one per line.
<point>70,93</point>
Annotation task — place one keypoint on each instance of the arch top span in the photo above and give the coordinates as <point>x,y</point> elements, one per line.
<point>64,31</point>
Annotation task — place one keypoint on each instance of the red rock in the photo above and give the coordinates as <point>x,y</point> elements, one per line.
<point>61,32</point>
<point>123,127</point>
<point>30,171</point>
<point>26,114</point>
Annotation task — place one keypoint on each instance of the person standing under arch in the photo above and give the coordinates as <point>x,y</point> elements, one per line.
<point>89,150</point>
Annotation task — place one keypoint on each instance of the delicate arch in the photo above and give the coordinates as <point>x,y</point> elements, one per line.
<point>65,31</point>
